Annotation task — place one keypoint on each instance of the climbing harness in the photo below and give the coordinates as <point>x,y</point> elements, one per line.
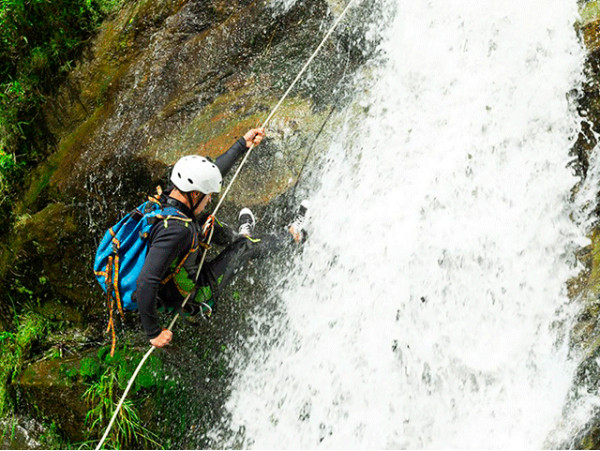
<point>208,228</point>
<point>208,225</point>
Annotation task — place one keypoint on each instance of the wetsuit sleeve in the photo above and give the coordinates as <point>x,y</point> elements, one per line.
<point>226,161</point>
<point>166,245</point>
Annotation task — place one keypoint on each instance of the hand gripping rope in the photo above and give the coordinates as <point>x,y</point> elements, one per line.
<point>210,233</point>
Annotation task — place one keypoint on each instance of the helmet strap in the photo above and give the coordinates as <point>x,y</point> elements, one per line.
<point>194,205</point>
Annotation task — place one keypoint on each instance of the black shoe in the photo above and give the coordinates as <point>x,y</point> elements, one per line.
<point>296,228</point>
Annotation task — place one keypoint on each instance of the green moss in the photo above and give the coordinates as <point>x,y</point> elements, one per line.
<point>51,438</point>
<point>90,368</point>
<point>15,347</point>
<point>588,442</point>
<point>128,429</point>
<point>151,373</point>
<point>40,181</point>
<point>38,43</point>
<point>70,147</point>
<point>69,372</point>
<point>125,361</point>
<point>60,311</point>
<point>48,228</point>
<point>590,11</point>
<point>31,251</point>
<point>588,282</point>
<point>50,387</point>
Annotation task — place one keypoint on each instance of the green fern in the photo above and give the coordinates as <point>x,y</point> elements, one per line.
<point>102,395</point>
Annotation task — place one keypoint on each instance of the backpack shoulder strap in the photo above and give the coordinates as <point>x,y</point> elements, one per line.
<point>193,249</point>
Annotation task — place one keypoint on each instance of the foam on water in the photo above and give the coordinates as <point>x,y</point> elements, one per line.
<point>429,307</point>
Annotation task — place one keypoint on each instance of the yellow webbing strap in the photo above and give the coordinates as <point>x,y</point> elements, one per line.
<point>112,285</point>
<point>154,200</point>
<point>116,284</point>
<point>109,305</point>
<point>193,248</point>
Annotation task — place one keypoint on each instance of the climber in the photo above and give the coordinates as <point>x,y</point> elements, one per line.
<point>165,278</point>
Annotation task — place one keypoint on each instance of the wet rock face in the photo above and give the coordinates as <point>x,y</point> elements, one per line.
<point>44,388</point>
<point>585,289</point>
<point>171,78</point>
<point>588,100</point>
<point>166,78</point>
<point>43,258</point>
<point>21,433</point>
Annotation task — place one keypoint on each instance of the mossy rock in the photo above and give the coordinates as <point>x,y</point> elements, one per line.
<point>181,93</point>
<point>587,284</point>
<point>49,391</point>
<point>162,79</point>
<point>44,259</point>
<point>53,389</point>
<point>61,311</point>
<point>589,12</point>
<point>586,288</point>
<point>588,437</point>
<point>590,25</point>
<point>48,230</point>
<point>36,196</point>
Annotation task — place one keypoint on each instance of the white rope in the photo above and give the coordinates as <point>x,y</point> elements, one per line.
<point>312,57</point>
<point>152,348</point>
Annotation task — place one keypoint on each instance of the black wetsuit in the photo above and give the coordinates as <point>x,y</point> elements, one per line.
<point>169,245</point>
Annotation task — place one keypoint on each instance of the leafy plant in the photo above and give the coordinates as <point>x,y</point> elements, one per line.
<point>89,368</point>
<point>39,39</point>
<point>102,395</point>
<point>8,429</point>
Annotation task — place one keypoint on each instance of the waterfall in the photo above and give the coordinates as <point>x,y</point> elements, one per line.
<point>428,308</point>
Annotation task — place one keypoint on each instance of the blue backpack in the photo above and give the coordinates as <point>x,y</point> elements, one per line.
<point>122,252</point>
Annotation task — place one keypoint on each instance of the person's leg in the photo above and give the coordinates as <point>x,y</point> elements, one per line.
<point>168,297</point>
<point>222,269</point>
<point>227,264</point>
<point>172,293</point>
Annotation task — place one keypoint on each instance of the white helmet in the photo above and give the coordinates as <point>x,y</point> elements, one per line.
<point>196,173</point>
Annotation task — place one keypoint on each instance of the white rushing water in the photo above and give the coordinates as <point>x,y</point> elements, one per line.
<point>428,308</point>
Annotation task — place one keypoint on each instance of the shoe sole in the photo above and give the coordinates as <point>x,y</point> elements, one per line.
<point>247,211</point>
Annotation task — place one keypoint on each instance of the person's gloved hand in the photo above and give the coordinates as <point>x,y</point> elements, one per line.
<point>254,136</point>
<point>163,339</point>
